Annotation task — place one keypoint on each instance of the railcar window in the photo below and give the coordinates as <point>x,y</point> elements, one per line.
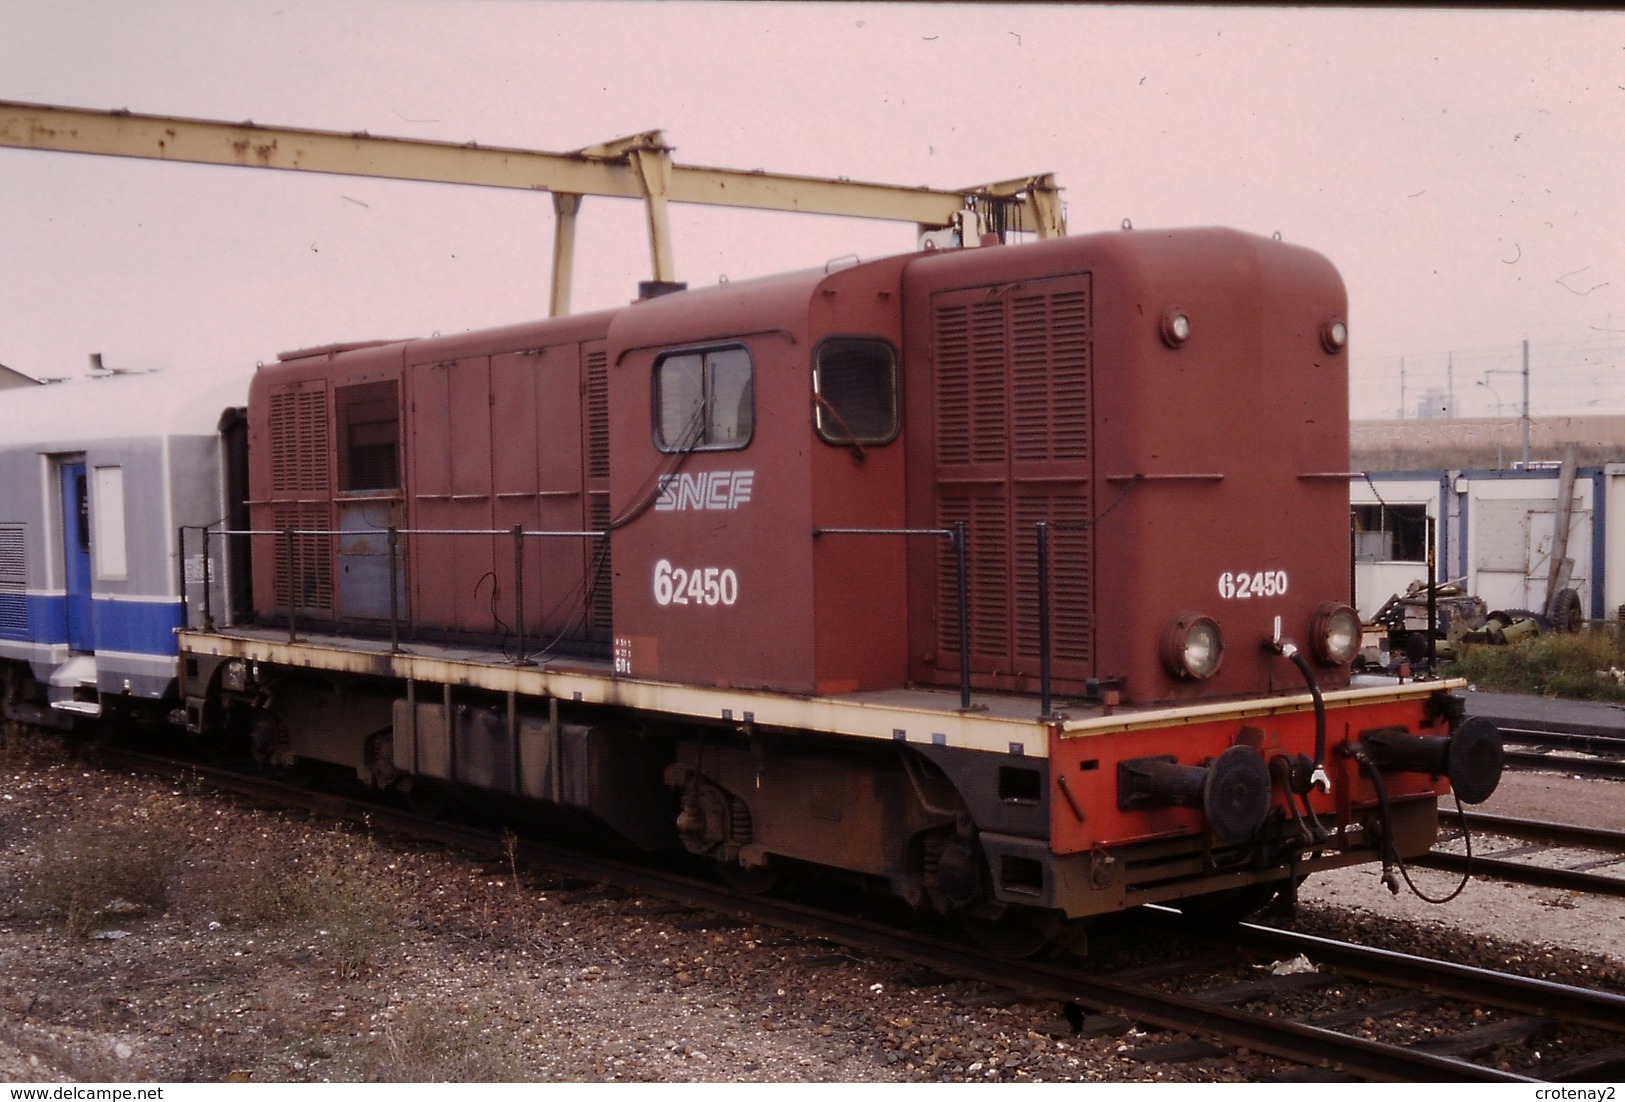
<point>855,384</point>
<point>704,400</point>
<point>107,542</point>
<point>369,436</point>
<point>1390,533</point>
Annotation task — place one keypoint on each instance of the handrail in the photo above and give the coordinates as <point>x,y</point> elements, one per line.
<point>518,533</point>
<point>955,534</point>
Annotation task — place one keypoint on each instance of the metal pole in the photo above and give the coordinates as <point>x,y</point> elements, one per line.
<point>186,611</point>
<point>1433,598</point>
<point>519,591</point>
<point>394,591</point>
<point>208,596</point>
<point>1525,425</point>
<point>961,565</point>
<point>1043,620</point>
<point>287,554</point>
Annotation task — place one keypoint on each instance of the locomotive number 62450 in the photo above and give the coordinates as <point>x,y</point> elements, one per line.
<point>1262,583</point>
<point>708,585</point>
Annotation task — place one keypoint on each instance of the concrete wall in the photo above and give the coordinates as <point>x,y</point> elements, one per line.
<point>1483,443</point>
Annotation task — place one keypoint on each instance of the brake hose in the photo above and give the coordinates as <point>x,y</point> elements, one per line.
<point>1390,856</point>
<point>1318,777</point>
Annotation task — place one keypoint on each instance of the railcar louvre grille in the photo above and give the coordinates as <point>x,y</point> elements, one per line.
<point>598,414</point>
<point>299,444</point>
<point>1013,371</point>
<point>601,570</point>
<point>13,581</point>
<point>312,557</point>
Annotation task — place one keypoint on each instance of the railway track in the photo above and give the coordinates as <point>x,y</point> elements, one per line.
<point>1586,753</point>
<point>1330,1017</point>
<point>1590,860</point>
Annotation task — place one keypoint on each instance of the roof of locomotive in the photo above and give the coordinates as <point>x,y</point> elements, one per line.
<point>782,301</point>
<point>536,333</point>
<point>68,415</point>
<point>740,307</point>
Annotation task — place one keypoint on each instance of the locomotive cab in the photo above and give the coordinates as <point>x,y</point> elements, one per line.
<point>755,431</point>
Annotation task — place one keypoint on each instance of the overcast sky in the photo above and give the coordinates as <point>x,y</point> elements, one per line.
<point>1464,169</point>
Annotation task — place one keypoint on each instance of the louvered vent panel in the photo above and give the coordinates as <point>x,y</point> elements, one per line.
<point>284,459</point>
<point>1070,344</point>
<point>1030,388</point>
<point>13,582</point>
<point>1050,340</point>
<point>312,557</point>
<point>950,511</point>
<point>299,440</point>
<point>1013,371</point>
<point>988,539</point>
<point>598,415</point>
<point>1070,575</point>
<point>312,440</point>
<point>989,443</point>
<point>601,571</point>
<point>952,344</point>
<point>990,577</point>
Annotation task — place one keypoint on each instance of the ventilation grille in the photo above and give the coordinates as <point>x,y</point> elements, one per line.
<point>1050,377</point>
<point>597,415</point>
<point>13,582</point>
<point>312,547</point>
<point>299,444</point>
<point>1013,368</point>
<point>1071,575</point>
<point>601,571</point>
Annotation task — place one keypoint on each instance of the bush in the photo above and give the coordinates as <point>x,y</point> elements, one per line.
<point>1578,666</point>
<point>93,874</point>
<point>434,1044</point>
<point>332,888</point>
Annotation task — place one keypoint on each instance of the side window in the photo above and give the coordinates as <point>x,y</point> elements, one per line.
<point>703,401</point>
<point>107,542</point>
<point>855,391</point>
<point>369,422</point>
<point>1390,533</point>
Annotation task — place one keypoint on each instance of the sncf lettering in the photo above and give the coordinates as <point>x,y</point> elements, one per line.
<point>706,490</point>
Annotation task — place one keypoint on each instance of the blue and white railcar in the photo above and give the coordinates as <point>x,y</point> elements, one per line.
<point>97,478</point>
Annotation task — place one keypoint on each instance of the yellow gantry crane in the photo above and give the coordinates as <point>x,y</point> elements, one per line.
<point>635,167</point>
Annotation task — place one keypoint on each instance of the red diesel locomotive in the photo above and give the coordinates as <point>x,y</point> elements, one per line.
<point>1014,578</point>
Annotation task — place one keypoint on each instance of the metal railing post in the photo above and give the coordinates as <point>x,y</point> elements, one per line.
<point>208,596</point>
<point>961,566</point>
<point>394,591</point>
<point>519,592</point>
<point>1043,621</point>
<point>186,608</point>
<point>287,549</point>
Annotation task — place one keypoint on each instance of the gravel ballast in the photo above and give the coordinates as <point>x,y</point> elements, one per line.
<point>261,946</point>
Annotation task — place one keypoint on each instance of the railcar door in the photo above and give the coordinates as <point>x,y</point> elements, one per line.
<point>76,551</point>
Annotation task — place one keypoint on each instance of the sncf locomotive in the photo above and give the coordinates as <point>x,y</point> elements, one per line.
<point>1012,579</point>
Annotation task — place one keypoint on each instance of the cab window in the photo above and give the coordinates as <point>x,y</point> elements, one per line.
<point>855,391</point>
<point>703,401</point>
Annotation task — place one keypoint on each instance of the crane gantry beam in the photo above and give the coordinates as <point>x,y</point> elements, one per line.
<point>635,167</point>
